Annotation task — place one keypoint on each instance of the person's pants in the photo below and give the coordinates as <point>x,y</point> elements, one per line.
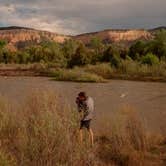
<point>85,124</point>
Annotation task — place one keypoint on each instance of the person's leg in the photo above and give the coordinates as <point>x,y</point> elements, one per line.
<point>81,136</point>
<point>91,136</point>
<point>90,132</point>
<point>81,132</point>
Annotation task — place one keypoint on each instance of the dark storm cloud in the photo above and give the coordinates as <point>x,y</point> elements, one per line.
<point>74,16</point>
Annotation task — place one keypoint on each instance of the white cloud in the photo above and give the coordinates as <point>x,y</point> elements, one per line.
<point>75,16</point>
<point>5,9</point>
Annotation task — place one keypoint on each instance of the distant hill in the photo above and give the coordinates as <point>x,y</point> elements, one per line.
<point>21,37</point>
<point>116,36</point>
<point>14,27</point>
<point>159,28</point>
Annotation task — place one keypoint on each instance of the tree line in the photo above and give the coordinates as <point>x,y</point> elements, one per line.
<point>74,53</point>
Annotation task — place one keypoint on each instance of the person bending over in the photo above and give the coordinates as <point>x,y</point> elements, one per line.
<point>85,106</point>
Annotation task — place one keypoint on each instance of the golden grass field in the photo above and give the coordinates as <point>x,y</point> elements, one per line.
<point>42,132</point>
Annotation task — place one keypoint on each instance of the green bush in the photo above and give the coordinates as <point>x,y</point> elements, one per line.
<point>150,59</point>
<point>115,61</point>
<point>77,75</point>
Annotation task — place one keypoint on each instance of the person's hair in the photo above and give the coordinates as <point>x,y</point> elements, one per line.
<point>82,94</point>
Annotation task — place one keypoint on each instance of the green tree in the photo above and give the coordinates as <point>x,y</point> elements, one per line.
<point>158,45</point>
<point>109,53</point>
<point>98,47</point>
<point>69,48</point>
<point>52,52</point>
<point>3,57</point>
<point>123,52</point>
<point>81,56</point>
<point>137,50</point>
<point>34,52</point>
<point>150,59</point>
<point>23,57</point>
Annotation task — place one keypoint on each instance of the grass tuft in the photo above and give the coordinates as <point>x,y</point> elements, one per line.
<point>104,70</point>
<point>77,75</point>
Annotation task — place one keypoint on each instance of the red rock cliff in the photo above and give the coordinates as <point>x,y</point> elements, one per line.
<point>19,38</point>
<point>113,36</point>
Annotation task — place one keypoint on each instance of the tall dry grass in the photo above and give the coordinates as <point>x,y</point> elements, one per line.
<point>127,142</point>
<point>42,132</point>
<point>104,70</point>
<point>133,68</point>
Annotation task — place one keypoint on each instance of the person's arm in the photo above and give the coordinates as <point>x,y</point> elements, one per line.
<point>79,109</point>
<point>86,110</point>
<point>79,106</point>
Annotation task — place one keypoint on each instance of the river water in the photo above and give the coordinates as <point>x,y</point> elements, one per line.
<point>148,98</point>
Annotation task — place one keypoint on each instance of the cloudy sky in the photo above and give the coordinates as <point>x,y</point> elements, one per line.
<point>78,16</point>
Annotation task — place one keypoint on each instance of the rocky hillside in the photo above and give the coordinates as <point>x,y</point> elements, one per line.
<point>116,36</point>
<point>19,37</point>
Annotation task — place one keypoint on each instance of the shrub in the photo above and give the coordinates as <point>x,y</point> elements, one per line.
<point>103,70</point>
<point>150,59</point>
<point>129,67</point>
<point>77,75</point>
<point>115,61</point>
<point>135,69</point>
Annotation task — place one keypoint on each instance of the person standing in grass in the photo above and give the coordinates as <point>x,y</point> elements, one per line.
<point>85,106</point>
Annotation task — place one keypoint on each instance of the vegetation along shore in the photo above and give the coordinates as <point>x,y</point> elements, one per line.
<point>94,62</point>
